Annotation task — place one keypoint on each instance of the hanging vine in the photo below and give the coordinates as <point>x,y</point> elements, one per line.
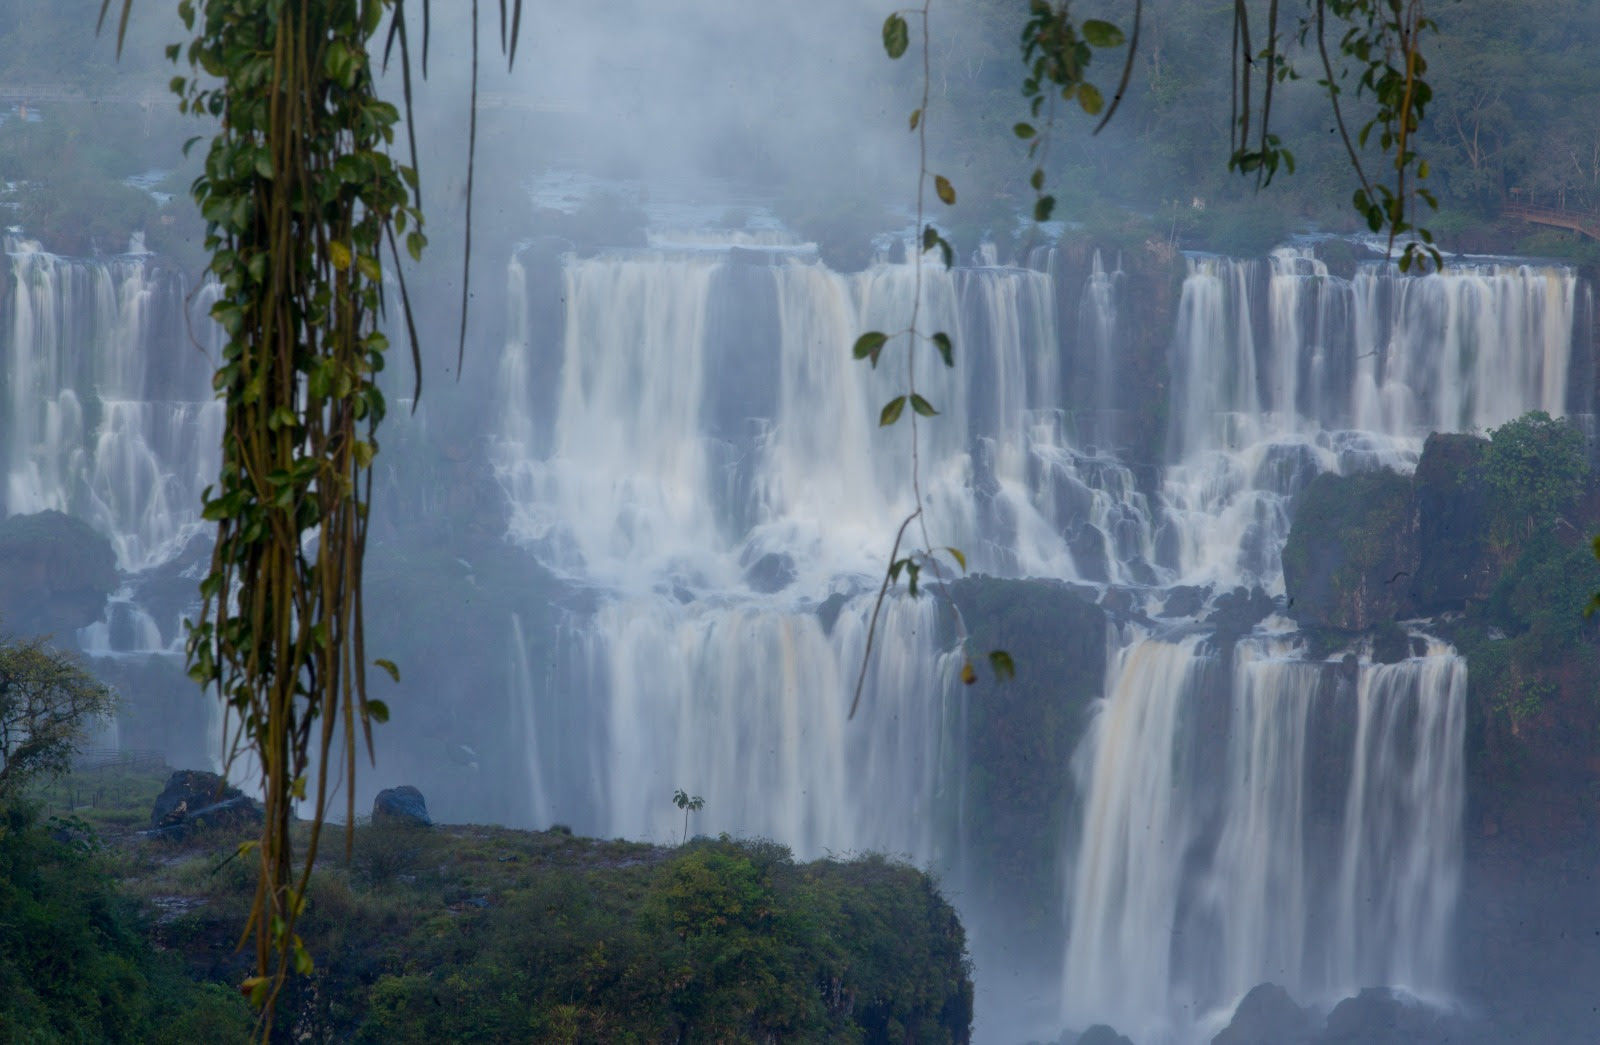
<point>300,198</point>
<point>304,209</point>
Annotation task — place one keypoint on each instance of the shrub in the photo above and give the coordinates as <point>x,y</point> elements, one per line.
<point>1538,465</point>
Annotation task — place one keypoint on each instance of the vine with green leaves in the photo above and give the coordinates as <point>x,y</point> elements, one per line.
<point>305,209</point>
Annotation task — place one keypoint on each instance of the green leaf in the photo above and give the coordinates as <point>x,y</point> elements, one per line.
<point>946,252</point>
<point>868,346</point>
<point>916,118</point>
<point>947,351</point>
<point>1042,208</point>
<point>896,36</point>
<point>339,254</point>
<point>922,406</point>
<point>968,675</point>
<point>1101,34</point>
<point>1024,131</point>
<point>891,411</point>
<point>912,571</point>
<point>378,711</point>
<point>1037,181</point>
<point>1004,667</point>
<point>1089,97</point>
<point>388,665</point>
<point>946,191</point>
<point>930,236</point>
<point>958,556</point>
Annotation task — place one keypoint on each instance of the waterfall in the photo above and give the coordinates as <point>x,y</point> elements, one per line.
<point>109,413</point>
<point>1263,817</point>
<point>693,455</point>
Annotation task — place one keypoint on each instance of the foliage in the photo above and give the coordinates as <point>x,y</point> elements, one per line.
<point>300,197</point>
<point>74,965</point>
<point>683,801</point>
<point>1537,465</point>
<point>528,936</point>
<point>48,704</point>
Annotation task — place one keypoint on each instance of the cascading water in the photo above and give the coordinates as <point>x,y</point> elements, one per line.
<point>712,471</point>
<point>110,413</point>
<point>696,454</point>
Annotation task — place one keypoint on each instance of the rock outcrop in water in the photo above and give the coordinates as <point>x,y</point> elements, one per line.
<point>55,574</point>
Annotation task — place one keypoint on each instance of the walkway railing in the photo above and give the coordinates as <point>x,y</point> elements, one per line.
<point>1577,221</point>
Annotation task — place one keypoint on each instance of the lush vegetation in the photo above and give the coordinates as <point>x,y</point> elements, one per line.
<point>485,934</point>
<point>76,963</point>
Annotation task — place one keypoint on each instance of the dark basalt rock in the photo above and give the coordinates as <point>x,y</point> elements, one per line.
<point>1184,601</point>
<point>55,573</point>
<point>1100,1034</point>
<point>1265,1016</point>
<point>1453,513</point>
<point>401,805</point>
<point>187,791</point>
<point>1236,612</point>
<point>773,572</point>
<point>194,801</point>
<point>1351,558</point>
<point>1383,1016</point>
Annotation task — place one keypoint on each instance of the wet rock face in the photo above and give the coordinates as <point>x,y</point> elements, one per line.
<point>401,805</point>
<point>1453,515</point>
<point>1265,1016</point>
<point>1351,559</point>
<point>55,574</point>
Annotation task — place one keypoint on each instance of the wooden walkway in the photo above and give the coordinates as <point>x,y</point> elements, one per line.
<point>1576,221</point>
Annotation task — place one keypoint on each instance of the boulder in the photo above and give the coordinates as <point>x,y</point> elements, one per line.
<point>1265,1016</point>
<point>1384,1016</point>
<point>194,800</point>
<point>401,805</point>
<point>771,573</point>
<point>1235,613</point>
<point>1351,559</point>
<point>188,791</point>
<point>55,573</point>
<point>1186,600</point>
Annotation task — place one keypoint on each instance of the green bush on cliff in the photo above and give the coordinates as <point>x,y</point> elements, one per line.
<point>506,935</point>
<point>1538,466</point>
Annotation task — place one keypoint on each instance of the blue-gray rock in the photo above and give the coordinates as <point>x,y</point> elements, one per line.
<point>402,805</point>
<point>1265,1016</point>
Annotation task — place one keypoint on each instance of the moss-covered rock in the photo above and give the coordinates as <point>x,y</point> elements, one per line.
<point>55,573</point>
<point>1352,553</point>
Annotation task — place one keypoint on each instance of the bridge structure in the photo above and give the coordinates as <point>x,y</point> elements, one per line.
<point>1576,221</point>
<point>148,97</point>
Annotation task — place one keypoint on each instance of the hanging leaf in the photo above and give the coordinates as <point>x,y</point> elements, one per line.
<point>958,556</point>
<point>946,191</point>
<point>968,675</point>
<point>1089,98</point>
<point>896,36</point>
<point>1043,207</point>
<point>930,236</point>
<point>1001,662</point>
<point>1101,34</point>
<point>1024,131</point>
<point>1037,181</point>
<point>892,410</point>
<point>947,351</point>
<point>868,346</point>
<point>916,118</point>
<point>922,406</point>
